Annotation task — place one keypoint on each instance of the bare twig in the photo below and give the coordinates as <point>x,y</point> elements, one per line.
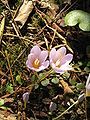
<point>10,68</point>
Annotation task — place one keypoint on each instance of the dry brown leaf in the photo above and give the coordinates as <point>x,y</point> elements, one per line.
<point>24,12</point>
<point>4,115</point>
<point>2,73</point>
<point>55,26</point>
<point>11,117</point>
<point>66,87</point>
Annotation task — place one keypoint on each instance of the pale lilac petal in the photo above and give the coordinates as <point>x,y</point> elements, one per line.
<point>66,67</point>
<point>88,80</point>
<point>61,53</point>
<point>28,64</point>
<point>44,65</point>
<point>58,70</point>
<point>62,50</point>
<point>43,56</point>
<point>35,69</point>
<point>25,97</point>
<point>52,54</point>
<point>88,90</point>
<point>31,57</point>
<point>62,69</point>
<point>36,50</point>
<point>52,65</point>
<point>67,58</point>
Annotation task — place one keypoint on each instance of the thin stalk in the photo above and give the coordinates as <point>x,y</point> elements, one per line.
<point>9,67</point>
<point>65,111</point>
<point>80,99</point>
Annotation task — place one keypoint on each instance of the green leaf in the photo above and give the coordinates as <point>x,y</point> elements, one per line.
<point>3,107</point>
<point>88,64</point>
<point>18,79</point>
<point>41,75</point>
<point>9,88</point>
<point>33,78</point>
<point>73,82</point>
<point>78,17</point>
<point>66,75</point>
<point>80,86</point>
<point>45,82</point>
<point>36,86</point>
<point>55,80</point>
<point>1,102</point>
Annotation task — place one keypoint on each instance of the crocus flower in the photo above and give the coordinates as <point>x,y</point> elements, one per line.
<point>25,97</point>
<point>88,86</point>
<point>59,60</point>
<point>37,59</point>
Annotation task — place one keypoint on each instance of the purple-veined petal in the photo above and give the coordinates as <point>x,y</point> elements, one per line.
<point>67,58</point>
<point>43,56</point>
<point>26,97</point>
<point>36,50</point>
<point>62,69</point>
<point>66,67</point>
<point>52,65</point>
<point>61,53</point>
<point>58,70</point>
<point>88,86</point>
<point>28,64</point>
<point>52,54</point>
<point>44,65</point>
<point>31,58</point>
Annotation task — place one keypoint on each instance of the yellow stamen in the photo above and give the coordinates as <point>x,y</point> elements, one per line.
<point>57,63</point>
<point>36,63</point>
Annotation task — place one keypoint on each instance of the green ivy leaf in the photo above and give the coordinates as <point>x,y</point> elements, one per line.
<point>41,75</point>
<point>78,17</point>
<point>66,75</point>
<point>72,82</point>
<point>9,88</point>
<point>80,86</point>
<point>18,79</point>
<point>1,102</point>
<point>55,80</point>
<point>33,78</point>
<point>45,82</point>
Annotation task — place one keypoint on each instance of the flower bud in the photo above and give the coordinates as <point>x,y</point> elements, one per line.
<point>26,97</point>
<point>88,86</point>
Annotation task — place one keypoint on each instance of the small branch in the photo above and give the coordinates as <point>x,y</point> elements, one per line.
<point>80,99</point>
<point>10,68</point>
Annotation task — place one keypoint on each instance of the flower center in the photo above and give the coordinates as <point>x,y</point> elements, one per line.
<point>36,63</point>
<point>57,63</point>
